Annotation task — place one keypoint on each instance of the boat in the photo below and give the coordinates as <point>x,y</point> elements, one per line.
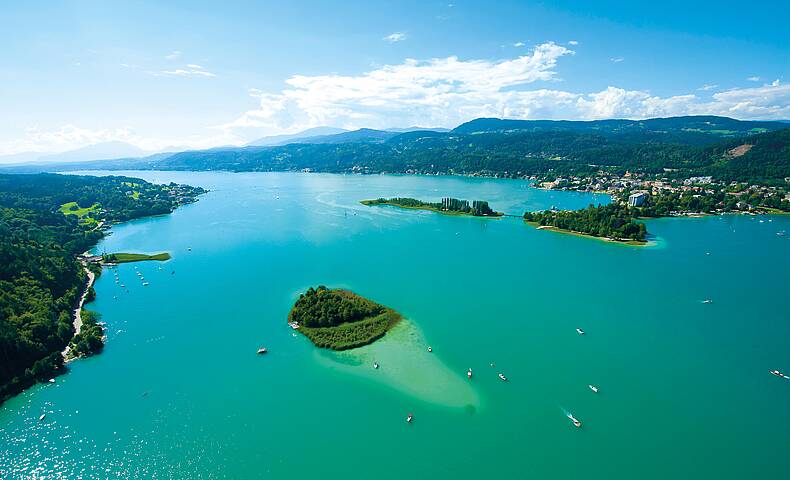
<point>430,349</point>
<point>294,325</point>
<point>580,331</point>
<point>262,350</point>
<point>51,380</point>
<point>42,417</point>
<point>576,423</point>
<point>503,377</point>
<point>779,374</point>
<point>409,417</point>
<point>469,373</point>
<point>593,388</point>
<point>375,365</point>
<point>707,301</point>
<point>145,284</point>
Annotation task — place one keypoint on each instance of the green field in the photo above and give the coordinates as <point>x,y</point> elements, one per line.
<point>135,257</point>
<point>72,208</point>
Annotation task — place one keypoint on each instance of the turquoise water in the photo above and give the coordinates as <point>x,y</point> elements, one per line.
<point>180,393</point>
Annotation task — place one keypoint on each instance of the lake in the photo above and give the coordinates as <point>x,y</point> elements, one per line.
<point>179,392</point>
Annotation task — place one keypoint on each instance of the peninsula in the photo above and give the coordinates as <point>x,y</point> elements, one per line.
<point>134,257</point>
<point>47,223</point>
<point>340,319</point>
<point>448,206</point>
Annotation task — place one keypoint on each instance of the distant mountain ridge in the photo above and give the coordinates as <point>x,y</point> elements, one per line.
<point>290,137</point>
<point>513,148</point>
<point>97,151</point>
<point>706,124</point>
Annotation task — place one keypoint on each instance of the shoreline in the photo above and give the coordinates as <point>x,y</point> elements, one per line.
<point>77,323</point>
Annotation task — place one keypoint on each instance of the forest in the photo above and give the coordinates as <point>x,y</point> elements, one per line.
<point>678,147</point>
<point>614,221</point>
<point>340,319</point>
<point>41,279</point>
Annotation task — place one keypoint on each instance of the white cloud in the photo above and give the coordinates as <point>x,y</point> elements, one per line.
<point>438,91</point>
<point>395,37</point>
<point>173,55</point>
<point>449,91</point>
<point>616,59</point>
<point>707,87</point>
<point>573,42</point>
<point>519,44</point>
<point>753,79</point>
<point>71,137</point>
<point>189,70</point>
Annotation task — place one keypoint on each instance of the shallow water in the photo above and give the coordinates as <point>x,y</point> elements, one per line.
<point>179,391</point>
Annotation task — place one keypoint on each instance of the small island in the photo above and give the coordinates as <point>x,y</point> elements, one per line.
<point>340,319</point>
<point>612,222</point>
<point>134,257</point>
<point>448,206</point>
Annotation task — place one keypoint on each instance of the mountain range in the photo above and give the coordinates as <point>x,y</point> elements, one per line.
<point>693,145</point>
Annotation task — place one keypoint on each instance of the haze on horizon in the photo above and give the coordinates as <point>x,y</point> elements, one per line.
<point>164,77</point>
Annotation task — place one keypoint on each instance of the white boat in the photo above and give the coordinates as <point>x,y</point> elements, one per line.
<point>375,365</point>
<point>409,417</point>
<point>580,331</point>
<point>779,374</point>
<point>576,423</point>
<point>42,417</point>
<point>51,380</point>
<point>262,350</point>
<point>593,388</point>
<point>469,373</point>
<point>503,377</point>
<point>145,284</point>
<point>707,301</point>
<point>430,349</point>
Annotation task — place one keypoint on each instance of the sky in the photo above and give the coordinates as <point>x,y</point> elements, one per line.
<point>194,74</point>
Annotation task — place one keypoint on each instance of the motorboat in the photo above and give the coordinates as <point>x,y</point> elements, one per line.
<point>593,388</point>
<point>262,350</point>
<point>779,374</point>
<point>375,365</point>
<point>469,373</point>
<point>43,415</point>
<point>430,349</point>
<point>707,301</point>
<point>580,331</point>
<point>503,377</point>
<point>409,418</point>
<point>576,423</point>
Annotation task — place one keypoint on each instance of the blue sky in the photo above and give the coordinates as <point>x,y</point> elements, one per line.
<point>202,74</point>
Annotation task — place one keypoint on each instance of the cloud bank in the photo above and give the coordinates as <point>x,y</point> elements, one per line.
<point>448,91</point>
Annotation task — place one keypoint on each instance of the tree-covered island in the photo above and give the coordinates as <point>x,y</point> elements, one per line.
<point>448,206</point>
<point>611,222</point>
<point>340,319</point>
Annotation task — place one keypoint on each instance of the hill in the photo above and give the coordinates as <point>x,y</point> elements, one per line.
<point>292,137</point>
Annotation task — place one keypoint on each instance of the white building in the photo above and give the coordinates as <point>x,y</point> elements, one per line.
<point>637,199</point>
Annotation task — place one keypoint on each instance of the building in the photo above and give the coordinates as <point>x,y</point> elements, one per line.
<point>637,199</point>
